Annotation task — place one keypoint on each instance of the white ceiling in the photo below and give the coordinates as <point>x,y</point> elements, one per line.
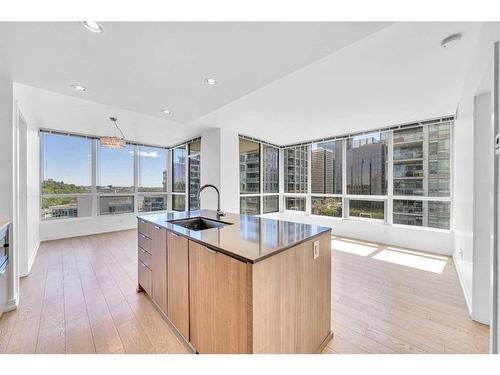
<point>148,66</point>
<point>281,82</point>
<point>397,75</point>
<point>50,110</point>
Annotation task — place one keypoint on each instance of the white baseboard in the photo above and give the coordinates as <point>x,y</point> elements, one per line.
<point>11,304</point>
<point>88,232</point>
<point>33,257</point>
<point>465,290</point>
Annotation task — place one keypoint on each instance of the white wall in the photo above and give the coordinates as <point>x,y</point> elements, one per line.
<point>210,166</point>
<point>21,170</point>
<point>230,171</point>
<point>6,181</point>
<point>6,149</point>
<point>483,207</point>
<point>436,241</point>
<point>463,160</point>
<point>33,198</point>
<point>220,167</point>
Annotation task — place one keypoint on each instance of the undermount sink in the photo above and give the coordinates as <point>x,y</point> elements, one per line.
<point>199,223</point>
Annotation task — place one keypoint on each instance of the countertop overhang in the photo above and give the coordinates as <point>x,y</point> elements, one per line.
<point>247,238</point>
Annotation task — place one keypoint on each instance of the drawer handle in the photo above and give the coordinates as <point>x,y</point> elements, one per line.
<point>142,235</point>
<point>143,251</point>
<point>157,227</point>
<point>211,251</point>
<point>174,234</point>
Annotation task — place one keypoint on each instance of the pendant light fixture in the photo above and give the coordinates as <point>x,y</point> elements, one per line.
<point>114,142</point>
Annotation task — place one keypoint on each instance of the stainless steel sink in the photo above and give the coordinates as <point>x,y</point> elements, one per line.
<point>199,223</point>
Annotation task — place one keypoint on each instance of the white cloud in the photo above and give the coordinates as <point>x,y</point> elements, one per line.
<point>145,154</point>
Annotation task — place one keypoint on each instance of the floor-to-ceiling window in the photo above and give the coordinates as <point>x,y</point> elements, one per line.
<point>397,176</point>
<point>259,177</point>
<point>366,175</point>
<point>81,178</point>
<point>421,172</point>
<point>66,174</point>
<point>179,156</point>
<point>152,184</point>
<point>326,178</point>
<point>194,173</point>
<point>296,162</point>
<point>115,180</point>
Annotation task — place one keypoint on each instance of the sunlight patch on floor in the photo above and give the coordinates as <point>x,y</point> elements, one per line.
<point>413,259</point>
<point>353,247</point>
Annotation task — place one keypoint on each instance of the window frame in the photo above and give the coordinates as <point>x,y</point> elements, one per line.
<point>189,158</point>
<point>95,201</point>
<point>389,198</point>
<point>260,194</point>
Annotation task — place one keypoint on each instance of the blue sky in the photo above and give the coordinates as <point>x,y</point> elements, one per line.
<point>69,159</point>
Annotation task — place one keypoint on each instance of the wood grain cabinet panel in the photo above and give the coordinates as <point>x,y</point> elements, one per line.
<point>145,278</point>
<point>231,305</point>
<point>159,266</point>
<point>144,227</point>
<point>144,242</point>
<point>218,301</point>
<point>178,282</point>
<point>145,257</point>
<point>292,300</point>
<point>201,297</point>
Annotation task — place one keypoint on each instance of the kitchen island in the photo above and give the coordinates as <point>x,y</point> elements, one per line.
<point>238,283</point>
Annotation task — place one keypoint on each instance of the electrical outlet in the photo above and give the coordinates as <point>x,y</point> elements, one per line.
<point>315,249</point>
<point>461,253</point>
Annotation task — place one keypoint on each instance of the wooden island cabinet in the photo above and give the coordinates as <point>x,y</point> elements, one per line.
<point>220,303</point>
<point>178,283</point>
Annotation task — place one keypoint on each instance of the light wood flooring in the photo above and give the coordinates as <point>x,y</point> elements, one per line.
<point>81,298</point>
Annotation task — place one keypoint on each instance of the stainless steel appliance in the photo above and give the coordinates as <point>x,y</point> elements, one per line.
<point>4,262</point>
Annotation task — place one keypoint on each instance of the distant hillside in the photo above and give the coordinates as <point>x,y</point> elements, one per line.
<point>60,187</point>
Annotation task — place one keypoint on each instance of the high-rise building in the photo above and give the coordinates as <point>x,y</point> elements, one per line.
<point>322,168</point>
<point>422,168</point>
<point>250,171</point>
<point>270,156</point>
<point>296,169</point>
<point>179,170</point>
<point>408,158</point>
<point>194,182</point>
<point>366,166</point>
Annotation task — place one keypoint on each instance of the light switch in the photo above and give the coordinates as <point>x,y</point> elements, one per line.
<point>315,249</point>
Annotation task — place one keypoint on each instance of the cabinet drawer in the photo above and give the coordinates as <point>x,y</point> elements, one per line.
<point>145,257</point>
<point>144,242</point>
<point>144,227</point>
<point>145,278</point>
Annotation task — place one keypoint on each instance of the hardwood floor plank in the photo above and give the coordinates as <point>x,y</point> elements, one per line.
<point>6,326</point>
<point>159,332</point>
<point>79,336</point>
<point>134,338</point>
<point>81,298</point>
<point>104,333</point>
<point>24,336</point>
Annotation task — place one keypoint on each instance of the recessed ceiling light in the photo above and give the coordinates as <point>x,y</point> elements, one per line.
<point>452,40</point>
<point>166,111</point>
<point>78,88</point>
<point>92,26</point>
<point>210,81</point>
